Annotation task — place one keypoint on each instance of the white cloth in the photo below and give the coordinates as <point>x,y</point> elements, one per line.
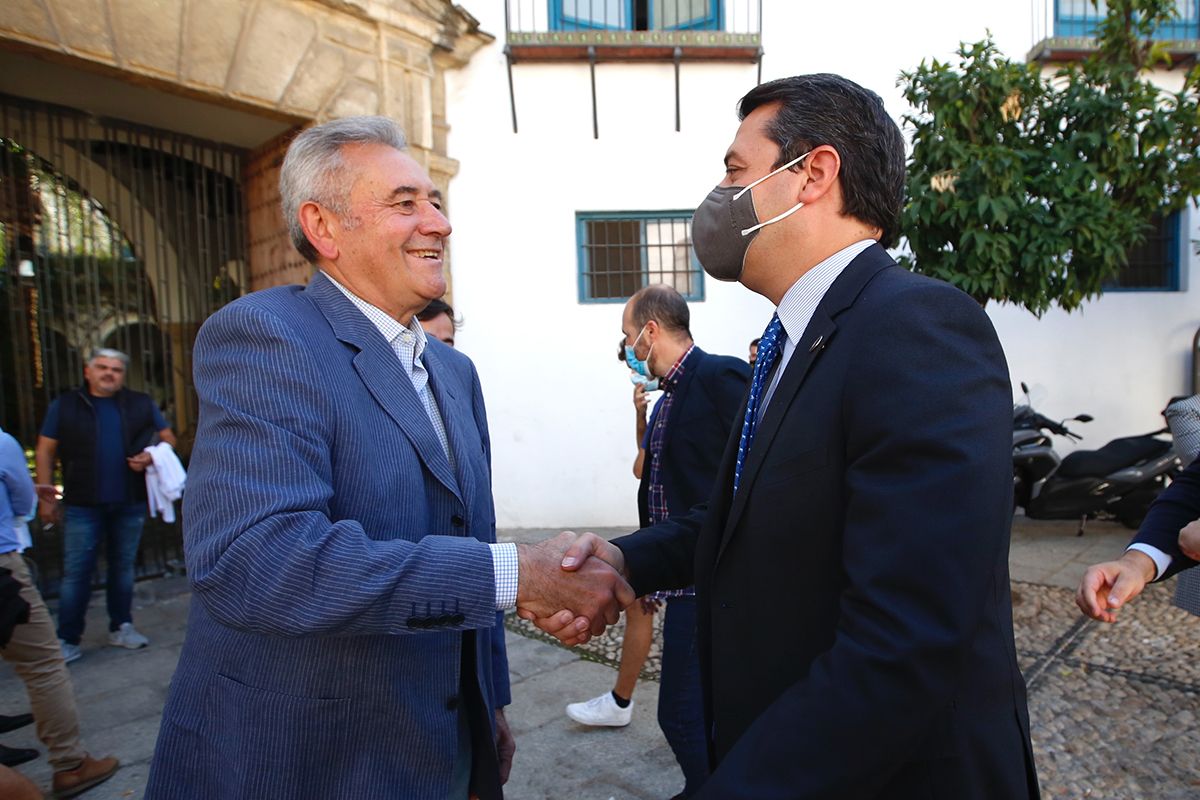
<point>24,540</point>
<point>165,480</point>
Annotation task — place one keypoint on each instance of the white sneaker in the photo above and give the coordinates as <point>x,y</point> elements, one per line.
<point>602,710</point>
<point>127,636</point>
<point>71,652</point>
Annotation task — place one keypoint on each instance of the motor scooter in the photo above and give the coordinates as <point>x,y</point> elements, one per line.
<point>1118,481</point>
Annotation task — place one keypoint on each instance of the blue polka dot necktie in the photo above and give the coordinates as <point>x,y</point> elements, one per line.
<point>768,351</point>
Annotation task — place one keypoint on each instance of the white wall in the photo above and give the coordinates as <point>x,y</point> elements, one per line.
<point>559,404</point>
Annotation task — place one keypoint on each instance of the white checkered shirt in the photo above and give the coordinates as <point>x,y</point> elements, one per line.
<point>408,343</point>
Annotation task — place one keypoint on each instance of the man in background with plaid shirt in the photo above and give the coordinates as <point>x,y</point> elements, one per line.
<point>685,438</point>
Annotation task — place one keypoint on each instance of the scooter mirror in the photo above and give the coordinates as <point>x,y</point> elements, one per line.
<point>1084,418</point>
<point>1024,388</point>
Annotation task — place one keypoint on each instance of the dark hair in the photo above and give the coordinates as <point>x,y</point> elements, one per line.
<point>828,109</point>
<point>754,342</point>
<point>662,304</point>
<point>434,308</point>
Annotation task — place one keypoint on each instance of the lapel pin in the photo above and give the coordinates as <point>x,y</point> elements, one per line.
<point>816,344</point>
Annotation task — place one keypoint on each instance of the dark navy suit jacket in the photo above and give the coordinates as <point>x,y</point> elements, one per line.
<point>853,602</point>
<point>1178,505</point>
<point>706,405</point>
<point>338,562</point>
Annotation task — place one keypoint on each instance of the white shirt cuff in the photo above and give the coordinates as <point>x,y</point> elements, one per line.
<point>504,565</point>
<point>1161,559</point>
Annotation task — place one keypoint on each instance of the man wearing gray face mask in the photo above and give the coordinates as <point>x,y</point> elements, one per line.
<point>863,503</point>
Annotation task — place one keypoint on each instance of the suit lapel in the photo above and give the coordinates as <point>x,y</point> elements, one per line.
<point>381,373</point>
<point>817,338</point>
<point>450,400</point>
<point>680,393</point>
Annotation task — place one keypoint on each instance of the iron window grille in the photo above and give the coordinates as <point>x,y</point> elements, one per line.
<point>621,252</point>
<point>1153,266</point>
<point>111,235</point>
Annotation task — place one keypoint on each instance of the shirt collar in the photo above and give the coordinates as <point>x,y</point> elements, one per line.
<point>669,380</point>
<point>387,325</point>
<point>800,302</point>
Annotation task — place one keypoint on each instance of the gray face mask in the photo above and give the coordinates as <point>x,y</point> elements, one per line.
<point>725,224</point>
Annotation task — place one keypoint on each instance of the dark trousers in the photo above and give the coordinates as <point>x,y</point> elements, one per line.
<point>680,698</point>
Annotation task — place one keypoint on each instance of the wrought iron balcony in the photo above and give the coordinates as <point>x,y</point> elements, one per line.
<point>594,31</point>
<point>633,30</point>
<point>1065,30</point>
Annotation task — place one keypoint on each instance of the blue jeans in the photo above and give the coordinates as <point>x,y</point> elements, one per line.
<point>120,526</point>
<point>680,697</point>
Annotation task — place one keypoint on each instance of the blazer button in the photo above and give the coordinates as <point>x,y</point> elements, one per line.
<point>457,521</point>
<point>452,703</point>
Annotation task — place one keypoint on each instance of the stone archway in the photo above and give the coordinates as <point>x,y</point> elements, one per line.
<point>303,60</point>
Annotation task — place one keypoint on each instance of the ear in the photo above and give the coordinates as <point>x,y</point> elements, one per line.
<point>652,330</point>
<point>320,228</point>
<point>823,167</point>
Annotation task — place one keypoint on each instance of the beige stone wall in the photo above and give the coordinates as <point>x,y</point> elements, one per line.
<point>307,59</point>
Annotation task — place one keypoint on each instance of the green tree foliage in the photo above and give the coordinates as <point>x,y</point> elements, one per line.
<point>1029,189</point>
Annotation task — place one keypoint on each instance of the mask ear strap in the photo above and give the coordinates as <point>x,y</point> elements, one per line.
<point>771,174</point>
<point>775,218</point>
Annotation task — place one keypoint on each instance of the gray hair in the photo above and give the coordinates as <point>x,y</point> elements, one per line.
<point>108,352</point>
<point>313,169</point>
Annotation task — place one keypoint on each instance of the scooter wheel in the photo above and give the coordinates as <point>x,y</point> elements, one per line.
<point>1131,511</point>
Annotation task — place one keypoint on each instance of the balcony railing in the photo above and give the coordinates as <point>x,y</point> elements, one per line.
<point>595,31</point>
<point>1066,29</point>
<point>634,30</point>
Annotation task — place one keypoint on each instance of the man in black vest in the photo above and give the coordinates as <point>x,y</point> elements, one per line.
<point>99,432</point>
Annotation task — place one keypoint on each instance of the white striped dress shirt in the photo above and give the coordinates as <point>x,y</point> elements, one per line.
<point>408,343</point>
<point>797,307</point>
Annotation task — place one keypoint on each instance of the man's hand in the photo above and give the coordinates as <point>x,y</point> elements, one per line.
<point>565,625</point>
<point>1189,540</point>
<point>48,511</point>
<point>640,400</point>
<point>506,745</point>
<point>46,492</point>
<point>586,546</point>
<point>1107,587</point>
<point>650,605</point>
<point>572,594</point>
<point>139,462</point>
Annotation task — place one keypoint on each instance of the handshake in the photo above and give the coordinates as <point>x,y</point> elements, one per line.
<point>572,586</point>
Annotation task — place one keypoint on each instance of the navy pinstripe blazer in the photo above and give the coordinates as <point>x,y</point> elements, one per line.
<point>336,560</point>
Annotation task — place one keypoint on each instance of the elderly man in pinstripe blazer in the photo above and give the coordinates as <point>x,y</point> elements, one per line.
<point>344,638</point>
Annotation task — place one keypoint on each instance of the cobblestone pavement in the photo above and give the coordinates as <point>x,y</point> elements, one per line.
<point>1115,709</point>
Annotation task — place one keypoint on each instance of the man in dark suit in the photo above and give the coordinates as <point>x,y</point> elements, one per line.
<point>344,638</point>
<point>702,395</point>
<point>1167,543</point>
<point>851,566</point>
